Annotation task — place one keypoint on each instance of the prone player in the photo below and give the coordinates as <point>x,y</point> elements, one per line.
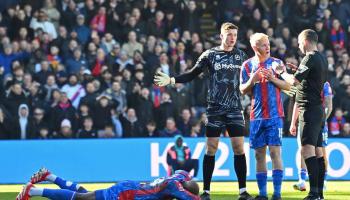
<point>179,186</point>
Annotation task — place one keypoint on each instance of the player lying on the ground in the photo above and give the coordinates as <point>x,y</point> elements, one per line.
<point>179,186</point>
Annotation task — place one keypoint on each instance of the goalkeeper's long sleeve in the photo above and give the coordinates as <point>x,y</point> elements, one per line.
<point>188,76</point>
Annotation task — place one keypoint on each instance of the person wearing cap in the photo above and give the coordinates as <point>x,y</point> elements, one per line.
<point>82,30</point>
<point>179,157</point>
<point>65,130</point>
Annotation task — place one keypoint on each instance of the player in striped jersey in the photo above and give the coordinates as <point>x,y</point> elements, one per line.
<point>266,117</point>
<point>179,186</point>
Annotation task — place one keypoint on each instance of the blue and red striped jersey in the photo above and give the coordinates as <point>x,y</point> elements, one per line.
<point>162,188</point>
<point>266,97</point>
<point>326,92</point>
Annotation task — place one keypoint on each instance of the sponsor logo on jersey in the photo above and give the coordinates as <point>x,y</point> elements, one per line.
<point>230,66</point>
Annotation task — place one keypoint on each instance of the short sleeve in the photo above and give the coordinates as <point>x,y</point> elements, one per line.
<point>245,73</point>
<point>327,90</point>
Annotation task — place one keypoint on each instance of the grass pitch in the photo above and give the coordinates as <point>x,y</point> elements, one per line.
<point>336,190</point>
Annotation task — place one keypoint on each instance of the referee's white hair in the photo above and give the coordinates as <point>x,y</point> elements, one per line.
<point>256,37</point>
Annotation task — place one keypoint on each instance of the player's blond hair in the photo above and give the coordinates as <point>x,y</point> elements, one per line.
<point>256,37</point>
<point>227,26</point>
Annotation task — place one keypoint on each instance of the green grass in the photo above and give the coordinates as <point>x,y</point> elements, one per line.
<point>336,190</point>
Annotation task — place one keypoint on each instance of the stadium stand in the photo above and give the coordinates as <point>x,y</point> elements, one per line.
<point>65,61</point>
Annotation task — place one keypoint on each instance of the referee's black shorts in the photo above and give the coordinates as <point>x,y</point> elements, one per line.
<point>232,121</point>
<point>311,122</point>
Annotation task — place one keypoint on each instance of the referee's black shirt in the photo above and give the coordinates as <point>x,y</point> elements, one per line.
<point>312,74</point>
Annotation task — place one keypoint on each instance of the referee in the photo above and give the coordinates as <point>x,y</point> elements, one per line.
<point>309,79</point>
<point>224,109</point>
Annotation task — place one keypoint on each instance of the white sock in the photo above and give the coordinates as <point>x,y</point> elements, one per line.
<point>242,190</point>
<point>51,178</point>
<point>36,191</point>
<point>207,191</point>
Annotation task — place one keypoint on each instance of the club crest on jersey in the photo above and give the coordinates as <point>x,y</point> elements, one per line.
<point>237,57</point>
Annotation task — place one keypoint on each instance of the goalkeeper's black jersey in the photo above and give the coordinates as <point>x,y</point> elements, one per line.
<point>223,69</point>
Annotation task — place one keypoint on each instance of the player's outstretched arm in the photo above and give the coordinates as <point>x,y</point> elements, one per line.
<point>161,79</point>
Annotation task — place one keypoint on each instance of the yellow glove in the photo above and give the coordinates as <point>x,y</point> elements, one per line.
<point>162,79</point>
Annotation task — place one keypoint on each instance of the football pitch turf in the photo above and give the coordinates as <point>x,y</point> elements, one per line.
<point>336,190</point>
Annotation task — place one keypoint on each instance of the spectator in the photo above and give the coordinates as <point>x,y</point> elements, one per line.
<point>98,22</point>
<point>179,157</point>
<point>337,35</point>
<point>132,45</point>
<point>131,125</point>
<point>15,97</point>
<point>180,94</point>
<point>107,132</point>
<point>123,62</point>
<point>112,56</point>
<point>65,130</point>
<point>23,125</point>
<point>337,123</point>
<point>102,112</point>
<point>53,58</point>
<point>62,110</point>
<point>150,130</point>
<point>53,14</point>
<point>191,16</point>
<point>39,123</point>
<point>87,131</point>
<point>156,26</point>
<point>91,95</point>
<point>69,16</point>
<point>5,124</point>
<point>76,63</point>
<point>170,129</point>
<point>196,130</point>
<point>74,90</point>
<point>49,86</point>
<point>7,57</point>
<point>165,110</point>
<point>185,123</point>
<point>144,107</point>
<point>150,11</point>
<point>43,71</point>
<point>346,130</point>
<point>40,21</point>
<point>82,30</point>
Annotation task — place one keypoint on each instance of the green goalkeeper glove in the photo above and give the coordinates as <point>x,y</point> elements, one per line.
<point>162,79</point>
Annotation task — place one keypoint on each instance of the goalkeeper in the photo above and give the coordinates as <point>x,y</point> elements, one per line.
<point>224,109</point>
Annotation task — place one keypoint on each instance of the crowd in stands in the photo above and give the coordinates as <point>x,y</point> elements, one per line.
<point>84,68</point>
